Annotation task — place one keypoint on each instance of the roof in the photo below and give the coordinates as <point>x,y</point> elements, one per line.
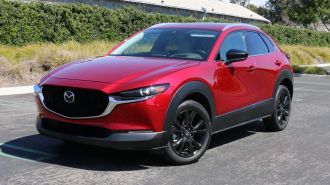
<point>210,6</point>
<point>205,25</point>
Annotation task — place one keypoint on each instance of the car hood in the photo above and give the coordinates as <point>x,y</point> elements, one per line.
<point>121,69</point>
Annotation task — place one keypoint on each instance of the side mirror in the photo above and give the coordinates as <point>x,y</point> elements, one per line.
<point>235,55</point>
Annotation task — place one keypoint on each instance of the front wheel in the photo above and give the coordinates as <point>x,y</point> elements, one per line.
<point>282,110</point>
<point>190,133</point>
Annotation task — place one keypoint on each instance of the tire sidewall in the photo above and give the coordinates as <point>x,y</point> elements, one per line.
<point>280,89</point>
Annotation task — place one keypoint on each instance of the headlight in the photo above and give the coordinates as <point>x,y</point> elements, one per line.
<point>140,93</point>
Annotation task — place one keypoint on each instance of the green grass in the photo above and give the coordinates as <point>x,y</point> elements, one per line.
<point>58,53</point>
<point>20,65</point>
<point>303,55</point>
<point>26,64</point>
<point>309,70</point>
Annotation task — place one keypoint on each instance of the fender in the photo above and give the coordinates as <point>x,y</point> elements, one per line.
<point>284,74</point>
<point>181,94</point>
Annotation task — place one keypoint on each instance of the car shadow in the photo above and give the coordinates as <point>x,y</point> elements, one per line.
<point>52,151</point>
<point>236,134</point>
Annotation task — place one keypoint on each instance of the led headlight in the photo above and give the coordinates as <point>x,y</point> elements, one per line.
<point>141,93</point>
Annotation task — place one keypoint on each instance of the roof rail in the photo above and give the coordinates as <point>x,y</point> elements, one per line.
<point>241,24</point>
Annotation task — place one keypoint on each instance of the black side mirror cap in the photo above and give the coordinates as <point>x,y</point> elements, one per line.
<point>235,55</point>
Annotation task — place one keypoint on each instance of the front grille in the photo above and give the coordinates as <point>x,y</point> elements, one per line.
<point>87,103</point>
<point>75,129</point>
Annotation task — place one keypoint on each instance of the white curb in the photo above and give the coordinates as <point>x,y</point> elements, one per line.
<point>16,90</point>
<point>317,65</point>
<point>311,75</point>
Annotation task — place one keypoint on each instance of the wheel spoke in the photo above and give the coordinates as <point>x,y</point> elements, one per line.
<point>279,117</point>
<point>196,144</point>
<point>285,112</point>
<point>190,146</point>
<point>192,116</point>
<point>202,131</point>
<point>278,111</point>
<point>182,146</point>
<point>198,125</point>
<point>186,117</point>
<point>286,103</point>
<point>177,143</point>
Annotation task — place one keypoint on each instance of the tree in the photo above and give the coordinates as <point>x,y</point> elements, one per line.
<point>277,10</point>
<point>241,2</point>
<point>310,11</point>
<point>261,11</point>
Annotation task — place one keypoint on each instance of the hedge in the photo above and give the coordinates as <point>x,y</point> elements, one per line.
<point>23,23</point>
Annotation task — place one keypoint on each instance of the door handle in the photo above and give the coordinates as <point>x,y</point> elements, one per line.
<point>277,62</point>
<point>251,68</point>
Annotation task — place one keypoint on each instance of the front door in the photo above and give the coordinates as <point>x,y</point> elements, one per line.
<point>235,83</point>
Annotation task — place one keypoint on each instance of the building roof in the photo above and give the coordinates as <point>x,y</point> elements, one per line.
<point>210,6</point>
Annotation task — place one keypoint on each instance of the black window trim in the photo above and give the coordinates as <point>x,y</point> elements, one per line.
<point>270,40</point>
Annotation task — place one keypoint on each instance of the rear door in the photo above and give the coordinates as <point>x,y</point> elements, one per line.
<point>262,52</point>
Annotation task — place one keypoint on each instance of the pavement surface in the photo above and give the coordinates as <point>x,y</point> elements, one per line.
<point>245,155</point>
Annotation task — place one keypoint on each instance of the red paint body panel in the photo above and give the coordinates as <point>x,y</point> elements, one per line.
<point>233,86</point>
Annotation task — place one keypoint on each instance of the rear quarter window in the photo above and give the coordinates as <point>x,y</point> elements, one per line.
<point>255,44</point>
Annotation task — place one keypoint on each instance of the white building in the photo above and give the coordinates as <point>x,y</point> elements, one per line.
<point>195,8</point>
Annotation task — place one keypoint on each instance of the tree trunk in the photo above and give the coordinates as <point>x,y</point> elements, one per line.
<point>324,22</point>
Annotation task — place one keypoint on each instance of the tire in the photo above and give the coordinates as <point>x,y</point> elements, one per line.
<point>282,110</point>
<point>190,134</point>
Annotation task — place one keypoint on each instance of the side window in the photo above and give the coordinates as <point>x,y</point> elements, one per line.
<point>255,44</point>
<point>234,40</point>
<point>270,45</point>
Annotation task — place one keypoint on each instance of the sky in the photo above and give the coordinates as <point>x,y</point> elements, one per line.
<point>255,2</point>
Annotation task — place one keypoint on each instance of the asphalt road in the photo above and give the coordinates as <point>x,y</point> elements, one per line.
<point>245,155</point>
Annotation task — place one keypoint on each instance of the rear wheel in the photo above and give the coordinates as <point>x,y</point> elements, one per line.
<point>280,117</point>
<point>190,133</point>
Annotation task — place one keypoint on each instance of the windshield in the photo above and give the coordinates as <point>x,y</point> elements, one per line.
<point>170,43</point>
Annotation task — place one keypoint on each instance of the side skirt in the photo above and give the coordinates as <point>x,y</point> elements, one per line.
<point>243,116</point>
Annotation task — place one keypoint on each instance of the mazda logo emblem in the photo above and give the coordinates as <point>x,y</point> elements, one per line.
<point>68,96</point>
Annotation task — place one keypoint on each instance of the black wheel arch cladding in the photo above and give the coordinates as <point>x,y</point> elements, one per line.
<point>180,95</point>
<point>285,75</point>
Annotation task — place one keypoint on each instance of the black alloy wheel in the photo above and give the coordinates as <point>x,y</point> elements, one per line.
<point>190,133</point>
<point>282,110</point>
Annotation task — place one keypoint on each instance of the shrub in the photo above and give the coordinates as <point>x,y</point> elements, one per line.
<point>293,36</point>
<point>23,23</point>
<point>309,70</point>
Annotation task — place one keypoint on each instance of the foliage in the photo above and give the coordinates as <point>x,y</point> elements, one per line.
<point>292,36</point>
<point>276,10</point>
<point>241,2</point>
<point>310,11</point>
<point>309,70</point>
<point>24,23</point>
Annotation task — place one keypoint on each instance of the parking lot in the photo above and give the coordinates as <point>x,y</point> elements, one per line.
<point>245,155</point>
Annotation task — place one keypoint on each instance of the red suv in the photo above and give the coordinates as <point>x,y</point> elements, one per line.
<point>169,87</point>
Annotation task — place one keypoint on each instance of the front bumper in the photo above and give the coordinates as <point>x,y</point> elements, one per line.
<point>116,140</point>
